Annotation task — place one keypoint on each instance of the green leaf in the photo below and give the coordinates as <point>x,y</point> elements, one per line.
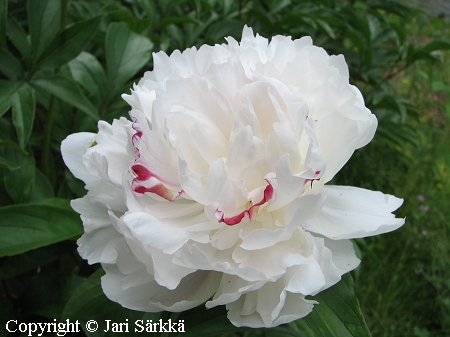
<point>42,189</point>
<point>66,90</point>
<point>30,226</point>
<point>87,71</point>
<point>7,161</point>
<point>11,266</point>
<point>48,291</point>
<point>326,28</point>
<point>23,113</point>
<point>338,313</point>
<point>19,179</point>
<point>68,44</point>
<point>126,53</point>
<point>3,12</point>
<point>422,55</point>
<point>43,22</point>
<point>277,6</point>
<point>436,45</point>
<point>7,92</point>
<point>176,20</point>
<point>10,66</point>
<point>89,296</point>
<point>18,37</point>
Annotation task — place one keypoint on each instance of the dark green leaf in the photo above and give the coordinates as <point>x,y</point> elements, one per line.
<point>66,90</point>
<point>277,6</point>
<point>400,31</point>
<point>30,226</point>
<point>178,20</point>
<point>359,20</point>
<point>338,313</point>
<point>123,15</point>
<point>19,179</point>
<point>42,189</point>
<point>18,37</point>
<point>126,53</point>
<point>326,27</point>
<point>88,72</point>
<point>9,65</point>
<point>68,43</point>
<point>47,293</point>
<point>15,265</point>
<point>23,113</point>
<point>3,12</point>
<point>6,160</point>
<point>422,55</point>
<point>436,45</point>
<point>7,92</point>
<point>44,23</point>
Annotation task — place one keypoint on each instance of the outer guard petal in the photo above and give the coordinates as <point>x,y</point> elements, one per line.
<point>73,148</point>
<point>352,212</point>
<point>193,290</point>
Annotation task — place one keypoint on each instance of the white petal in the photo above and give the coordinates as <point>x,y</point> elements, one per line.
<point>154,233</point>
<point>99,245</point>
<point>208,258</point>
<point>113,143</point>
<point>73,149</point>
<point>279,308</point>
<point>230,289</point>
<point>93,214</point>
<point>344,257</point>
<point>351,212</point>
<point>338,61</point>
<point>299,211</point>
<point>194,290</point>
<point>305,279</point>
<point>167,273</point>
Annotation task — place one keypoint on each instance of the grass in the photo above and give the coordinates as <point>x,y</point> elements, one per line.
<point>403,283</point>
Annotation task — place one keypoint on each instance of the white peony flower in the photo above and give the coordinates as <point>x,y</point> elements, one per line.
<point>216,191</point>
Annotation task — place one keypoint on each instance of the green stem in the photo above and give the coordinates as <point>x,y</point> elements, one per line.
<point>63,22</point>
<point>47,134</point>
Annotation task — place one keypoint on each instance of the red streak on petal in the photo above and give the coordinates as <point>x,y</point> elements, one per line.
<point>268,193</point>
<point>142,173</point>
<point>234,220</point>
<point>158,189</point>
<point>136,137</point>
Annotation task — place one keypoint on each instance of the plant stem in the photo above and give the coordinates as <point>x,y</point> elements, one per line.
<point>63,22</point>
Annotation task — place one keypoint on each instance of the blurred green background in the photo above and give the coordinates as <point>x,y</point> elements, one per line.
<point>64,64</point>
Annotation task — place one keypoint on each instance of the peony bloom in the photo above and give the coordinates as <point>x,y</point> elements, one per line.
<point>216,190</point>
